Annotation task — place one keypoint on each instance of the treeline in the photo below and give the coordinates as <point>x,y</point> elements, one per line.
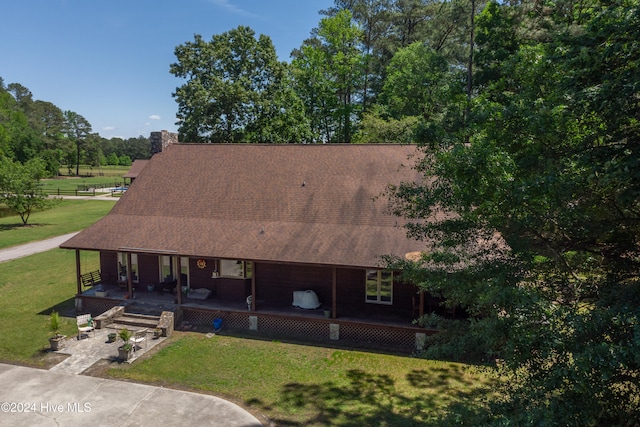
<point>35,129</point>
<point>372,71</point>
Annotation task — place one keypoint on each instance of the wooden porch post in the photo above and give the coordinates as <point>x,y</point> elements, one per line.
<point>78,269</point>
<point>129,277</point>
<point>253,288</point>
<point>179,280</point>
<point>334,292</point>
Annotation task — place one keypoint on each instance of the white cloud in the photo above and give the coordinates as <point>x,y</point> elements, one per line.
<point>154,117</point>
<point>108,128</point>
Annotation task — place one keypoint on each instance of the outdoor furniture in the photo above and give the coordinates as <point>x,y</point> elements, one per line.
<point>138,338</point>
<point>200,293</point>
<point>93,278</point>
<point>85,325</point>
<point>306,299</point>
<point>166,286</point>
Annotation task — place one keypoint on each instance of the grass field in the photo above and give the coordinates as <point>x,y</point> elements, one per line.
<point>66,217</point>
<point>102,171</point>
<point>287,383</point>
<point>79,183</point>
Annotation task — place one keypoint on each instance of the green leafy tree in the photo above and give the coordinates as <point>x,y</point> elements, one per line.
<point>124,160</point>
<point>77,129</point>
<point>328,70</point>
<point>234,85</point>
<point>315,88</point>
<point>373,18</point>
<point>377,126</point>
<point>20,189</point>
<point>552,165</point>
<point>112,159</point>
<point>419,83</point>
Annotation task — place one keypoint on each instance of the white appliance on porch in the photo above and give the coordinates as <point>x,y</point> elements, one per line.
<point>306,299</point>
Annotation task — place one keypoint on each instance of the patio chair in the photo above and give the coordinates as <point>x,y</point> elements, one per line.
<point>138,338</point>
<point>85,325</point>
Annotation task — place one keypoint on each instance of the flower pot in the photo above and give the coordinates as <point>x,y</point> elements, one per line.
<point>150,288</point>
<point>57,342</point>
<point>124,353</point>
<point>327,313</point>
<point>111,337</point>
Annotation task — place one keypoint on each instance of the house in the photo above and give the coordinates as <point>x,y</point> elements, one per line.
<point>240,231</point>
<point>134,170</point>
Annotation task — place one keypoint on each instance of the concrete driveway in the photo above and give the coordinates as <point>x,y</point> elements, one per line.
<point>35,397</point>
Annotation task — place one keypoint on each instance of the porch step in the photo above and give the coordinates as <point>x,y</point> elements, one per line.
<point>136,320</point>
<point>151,309</point>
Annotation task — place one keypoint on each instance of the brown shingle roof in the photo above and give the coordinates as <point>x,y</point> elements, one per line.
<point>135,168</point>
<point>317,204</point>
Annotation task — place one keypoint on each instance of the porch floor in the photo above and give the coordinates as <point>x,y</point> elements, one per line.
<point>167,301</point>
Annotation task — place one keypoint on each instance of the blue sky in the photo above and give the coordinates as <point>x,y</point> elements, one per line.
<point>108,60</point>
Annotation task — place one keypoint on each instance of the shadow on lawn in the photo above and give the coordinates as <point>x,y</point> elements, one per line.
<point>373,400</point>
<point>20,225</point>
<point>66,308</point>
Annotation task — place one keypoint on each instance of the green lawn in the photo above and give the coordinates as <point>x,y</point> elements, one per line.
<point>50,186</point>
<point>66,217</point>
<point>294,384</point>
<point>289,384</point>
<point>30,288</point>
<point>102,171</point>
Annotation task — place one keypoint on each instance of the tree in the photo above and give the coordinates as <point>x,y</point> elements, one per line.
<point>124,160</point>
<point>233,83</point>
<point>373,18</point>
<point>112,159</point>
<point>552,164</point>
<point>20,189</point>
<point>419,82</point>
<point>329,70</point>
<point>315,88</point>
<point>77,129</point>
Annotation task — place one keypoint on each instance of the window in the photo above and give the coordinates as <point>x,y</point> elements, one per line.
<point>168,269</point>
<point>122,266</point>
<point>379,287</point>
<point>184,271</point>
<point>234,268</point>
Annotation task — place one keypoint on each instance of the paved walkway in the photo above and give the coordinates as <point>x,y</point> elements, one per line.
<point>33,247</point>
<point>87,351</point>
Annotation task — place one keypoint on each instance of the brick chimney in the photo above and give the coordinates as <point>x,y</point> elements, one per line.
<point>161,140</point>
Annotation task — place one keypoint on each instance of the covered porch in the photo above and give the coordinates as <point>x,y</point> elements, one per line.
<point>273,322</point>
<point>258,296</point>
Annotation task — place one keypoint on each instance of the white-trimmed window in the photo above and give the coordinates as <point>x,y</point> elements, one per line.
<point>122,266</point>
<point>379,287</point>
